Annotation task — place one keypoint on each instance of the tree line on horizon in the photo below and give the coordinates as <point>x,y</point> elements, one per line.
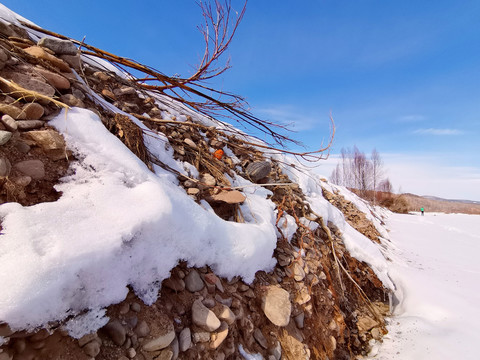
<point>362,174</point>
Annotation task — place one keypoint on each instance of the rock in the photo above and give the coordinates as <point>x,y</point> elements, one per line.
<point>209,303</point>
<point>23,181</point>
<point>201,336</point>
<point>229,197</point>
<point>142,329</point>
<point>193,191</point>
<point>84,340</point>
<point>58,46</point>
<point>47,139</point>
<point>166,354</point>
<point>225,313</point>
<point>92,349</point>
<point>131,353</point>
<point>276,305</point>
<point>299,320</point>
<point>303,296</point>
<point>116,332</point>
<point>100,75</point>
<point>260,338</point>
<point>211,278</point>
<point>9,122</point>
<point>190,143</point>
<point>226,302</point>
<point>5,356</point>
<point>175,348</point>
<point>219,336</point>
<point>59,82</point>
<point>193,281</point>
<point>162,341</point>
<point>29,83</point>
<point>135,307</point>
<point>33,168</point>
<point>298,272</point>
<point>108,94</point>
<point>72,100</point>
<point>185,339</point>
<point>125,90</point>
<point>5,330</point>
<point>204,317</point>
<point>3,58</point>
<point>5,29</point>
<point>208,180</point>
<point>30,124</point>
<point>258,170</point>
<point>377,333</point>
<point>175,283</point>
<point>40,53</point>
<point>12,111</point>
<point>366,323</point>
<point>33,111</point>
<point>73,60</point>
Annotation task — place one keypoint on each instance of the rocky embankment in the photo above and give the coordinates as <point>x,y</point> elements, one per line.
<point>307,307</point>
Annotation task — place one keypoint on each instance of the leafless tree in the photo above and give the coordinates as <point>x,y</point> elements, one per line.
<point>377,171</point>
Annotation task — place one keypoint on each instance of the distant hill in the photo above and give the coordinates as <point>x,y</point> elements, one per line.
<point>435,204</point>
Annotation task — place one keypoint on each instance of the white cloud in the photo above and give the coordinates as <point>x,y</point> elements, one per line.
<point>286,115</point>
<point>411,118</point>
<point>433,131</point>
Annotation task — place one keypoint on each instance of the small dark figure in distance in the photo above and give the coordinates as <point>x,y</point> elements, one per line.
<point>422,210</point>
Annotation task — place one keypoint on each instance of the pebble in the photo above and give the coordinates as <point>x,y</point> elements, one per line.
<point>185,339</point>
<point>201,336</point>
<point>142,329</point>
<point>175,348</point>
<point>190,143</point>
<point>33,111</point>
<point>226,302</point>
<point>131,353</point>
<point>59,46</point>
<point>59,82</point>
<point>299,320</point>
<point>204,317</point>
<point>175,283</point>
<point>33,84</point>
<point>92,348</point>
<point>258,170</point>
<point>209,303</point>
<point>116,332</point>
<point>5,167</point>
<point>366,323</point>
<point>30,124</point>
<point>23,181</point>
<point>166,354</point>
<point>84,340</point>
<point>33,168</point>
<point>160,342</point>
<point>73,60</point>
<point>260,338</point>
<point>276,305</point>
<point>3,58</point>
<point>135,307</point>
<point>193,191</point>
<point>303,296</point>
<point>229,197</point>
<point>13,111</point>
<point>47,139</point>
<point>226,314</point>
<point>72,100</point>
<point>219,336</point>
<point>276,351</point>
<point>193,281</point>
<point>9,122</point>
<point>108,94</point>
<point>208,180</point>
<point>40,53</point>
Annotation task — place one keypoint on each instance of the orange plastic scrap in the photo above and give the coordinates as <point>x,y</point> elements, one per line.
<point>218,154</point>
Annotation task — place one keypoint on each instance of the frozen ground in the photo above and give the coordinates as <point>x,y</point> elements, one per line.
<point>437,273</point>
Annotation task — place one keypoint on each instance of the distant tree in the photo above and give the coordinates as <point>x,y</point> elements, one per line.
<point>377,171</point>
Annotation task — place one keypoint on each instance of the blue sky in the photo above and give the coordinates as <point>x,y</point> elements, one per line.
<point>400,76</point>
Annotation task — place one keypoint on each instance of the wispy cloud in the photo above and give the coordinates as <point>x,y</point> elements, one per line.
<point>412,118</point>
<point>296,119</point>
<point>440,132</point>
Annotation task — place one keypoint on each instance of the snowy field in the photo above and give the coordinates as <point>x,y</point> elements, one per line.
<point>437,273</point>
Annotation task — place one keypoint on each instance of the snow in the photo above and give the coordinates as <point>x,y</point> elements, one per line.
<point>437,274</point>
<point>116,224</point>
